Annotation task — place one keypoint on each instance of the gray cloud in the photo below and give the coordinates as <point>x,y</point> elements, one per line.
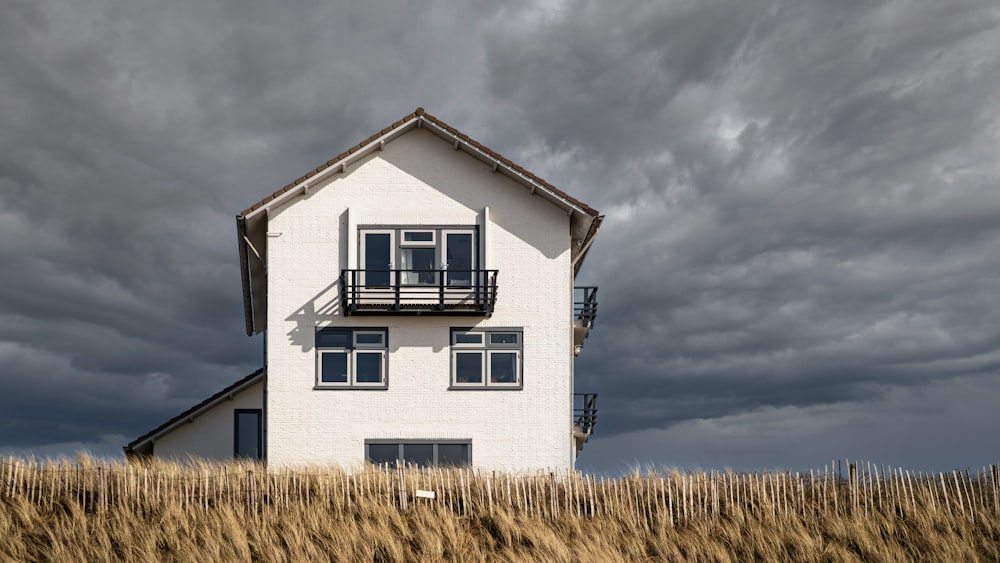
<point>801,201</point>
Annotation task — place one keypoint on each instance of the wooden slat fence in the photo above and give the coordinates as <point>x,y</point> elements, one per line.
<point>646,500</point>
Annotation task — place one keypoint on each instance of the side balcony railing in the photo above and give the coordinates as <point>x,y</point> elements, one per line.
<point>584,314</point>
<point>584,417</point>
<point>418,292</point>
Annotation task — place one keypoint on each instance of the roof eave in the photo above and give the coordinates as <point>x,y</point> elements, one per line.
<point>418,119</point>
<point>243,242</point>
<point>586,243</point>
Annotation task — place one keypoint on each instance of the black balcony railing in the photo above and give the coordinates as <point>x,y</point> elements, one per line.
<point>584,412</point>
<point>418,292</point>
<point>585,305</point>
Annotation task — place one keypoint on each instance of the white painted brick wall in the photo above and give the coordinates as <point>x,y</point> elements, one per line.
<point>419,179</point>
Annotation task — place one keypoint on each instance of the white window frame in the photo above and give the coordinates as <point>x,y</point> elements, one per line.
<point>398,244</point>
<point>482,367</point>
<point>403,243</point>
<point>351,350</point>
<point>486,349</point>
<point>517,366</point>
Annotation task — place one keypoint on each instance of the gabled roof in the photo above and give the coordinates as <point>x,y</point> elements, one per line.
<point>139,446</point>
<point>251,223</point>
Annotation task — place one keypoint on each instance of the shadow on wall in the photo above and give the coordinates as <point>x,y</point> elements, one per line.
<point>324,306</point>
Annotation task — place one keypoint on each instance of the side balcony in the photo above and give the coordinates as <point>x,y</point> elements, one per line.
<point>418,292</point>
<point>584,418</point>
<point>584,314</point>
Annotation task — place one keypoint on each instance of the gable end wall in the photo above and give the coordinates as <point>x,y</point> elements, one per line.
<point>419,180</point>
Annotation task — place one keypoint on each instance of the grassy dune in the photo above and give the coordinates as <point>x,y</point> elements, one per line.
<point>204,512</point>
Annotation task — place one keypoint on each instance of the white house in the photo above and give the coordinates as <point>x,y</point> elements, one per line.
<point>417,298</point>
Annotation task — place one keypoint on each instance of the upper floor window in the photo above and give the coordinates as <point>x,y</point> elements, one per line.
<point>418,255</point>
<point>352,357</point>
<point>486,358</point>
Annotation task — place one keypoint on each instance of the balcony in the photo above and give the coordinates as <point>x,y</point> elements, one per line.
<point>418,292</point>
<point>584,417</point>
<point>584,314</point>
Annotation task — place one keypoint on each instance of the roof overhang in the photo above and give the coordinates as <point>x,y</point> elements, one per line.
<point>251,224</point>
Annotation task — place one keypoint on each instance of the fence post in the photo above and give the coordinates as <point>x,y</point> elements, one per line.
<point>995,474</point>
<point>250,500</point>
<point>402,488</point>
<point>103,491</point>
<point>853,476</point>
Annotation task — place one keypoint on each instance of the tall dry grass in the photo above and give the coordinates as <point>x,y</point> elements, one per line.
<point>86,510</point>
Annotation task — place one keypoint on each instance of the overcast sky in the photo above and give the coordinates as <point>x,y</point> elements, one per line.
<point>800,260</point>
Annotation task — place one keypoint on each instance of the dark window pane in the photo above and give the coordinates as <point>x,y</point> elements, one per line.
<point>469,367</point>
<point>469,338</point>
<point>420,454</point>
<point>503,338</point>
<point>378,255</point>
<point>333,366</point>
<point>248,435</point>
<point>332,338</point>
<point>419,264</point>
<point>418,236</point>
<point>503,367</point>
<point>459,259</point>
<point>383,453</point>
<point>368,367</point>
<point>453,454</point>
<point>369,338</point>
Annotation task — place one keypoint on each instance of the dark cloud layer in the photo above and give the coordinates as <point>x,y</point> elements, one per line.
<point>801,248</point>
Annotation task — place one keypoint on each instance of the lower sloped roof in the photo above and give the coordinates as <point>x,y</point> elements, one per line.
<point>140,446</point>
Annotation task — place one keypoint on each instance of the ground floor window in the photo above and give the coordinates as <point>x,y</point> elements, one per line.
<point>247,433</point>
<point>422,453</point>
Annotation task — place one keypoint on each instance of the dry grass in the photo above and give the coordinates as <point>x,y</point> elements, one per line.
<point>217,512</point>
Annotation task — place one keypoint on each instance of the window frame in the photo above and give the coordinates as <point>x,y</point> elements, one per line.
<point>403,243</point>
<point>399,244</point>
<point>363,249</point>
<point>351,349</point>
<point>486,349</point>
<point>260,433</point>
<point>401,443</point>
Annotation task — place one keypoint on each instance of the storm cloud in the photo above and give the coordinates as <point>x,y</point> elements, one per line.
<point>802,244</point>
